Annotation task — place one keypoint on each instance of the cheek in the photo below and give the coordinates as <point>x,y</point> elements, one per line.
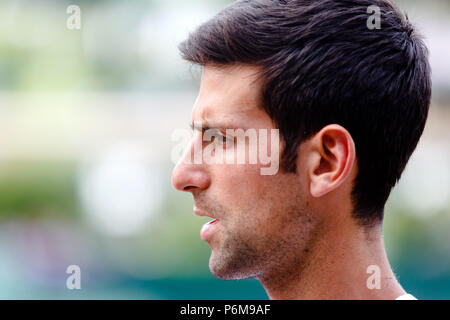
<point>254,203</point>
<point>239,185</point>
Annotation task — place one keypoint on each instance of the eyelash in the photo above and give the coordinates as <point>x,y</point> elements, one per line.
<point>223,139</point>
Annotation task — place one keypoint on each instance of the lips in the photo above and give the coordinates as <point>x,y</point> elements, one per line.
<point>209,227</point>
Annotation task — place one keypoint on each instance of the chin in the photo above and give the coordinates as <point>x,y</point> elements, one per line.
<point>227,271</point>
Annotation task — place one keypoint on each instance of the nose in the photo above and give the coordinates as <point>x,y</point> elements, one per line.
<point>188,176</point>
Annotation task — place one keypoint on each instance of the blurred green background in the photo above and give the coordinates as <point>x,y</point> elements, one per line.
<point>87,117</point>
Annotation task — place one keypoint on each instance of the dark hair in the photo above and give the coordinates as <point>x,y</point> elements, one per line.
<point>321,64</point>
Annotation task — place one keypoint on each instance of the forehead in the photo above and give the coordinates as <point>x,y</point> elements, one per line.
<point>230,94</point>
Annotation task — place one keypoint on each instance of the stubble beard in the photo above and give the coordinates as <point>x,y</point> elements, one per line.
<point>243,254</point>
<point>235,259</point>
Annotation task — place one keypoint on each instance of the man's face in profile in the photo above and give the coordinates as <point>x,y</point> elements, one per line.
<point>350,116</point>
<point>263,222</point>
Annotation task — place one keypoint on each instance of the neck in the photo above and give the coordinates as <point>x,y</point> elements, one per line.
<point>337,267</point>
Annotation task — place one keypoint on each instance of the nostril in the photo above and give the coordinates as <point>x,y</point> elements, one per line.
<point>189,179</point>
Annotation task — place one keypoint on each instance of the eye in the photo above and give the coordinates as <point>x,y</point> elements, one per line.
<point>223,139</point>
<point>216,137</point>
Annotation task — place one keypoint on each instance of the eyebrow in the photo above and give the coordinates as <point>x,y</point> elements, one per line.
<point>212,126</point>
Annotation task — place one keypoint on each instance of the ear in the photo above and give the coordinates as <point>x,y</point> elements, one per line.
<point>331,159</point>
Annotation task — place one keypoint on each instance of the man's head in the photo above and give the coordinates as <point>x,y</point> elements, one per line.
<point>350,104</point>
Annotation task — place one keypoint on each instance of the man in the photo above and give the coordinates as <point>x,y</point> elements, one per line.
<point>350,101</point>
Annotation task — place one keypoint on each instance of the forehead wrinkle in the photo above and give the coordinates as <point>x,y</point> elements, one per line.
<point>210,112</point>
<point>224,99</point>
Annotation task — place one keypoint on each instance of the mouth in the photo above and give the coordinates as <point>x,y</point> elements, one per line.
<point>209,227</point>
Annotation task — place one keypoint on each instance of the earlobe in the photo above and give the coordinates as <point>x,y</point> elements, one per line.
<point>332,159</point>
<point>319,188</point>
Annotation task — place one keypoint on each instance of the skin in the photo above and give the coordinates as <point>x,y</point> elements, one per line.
<point>294,232</point>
